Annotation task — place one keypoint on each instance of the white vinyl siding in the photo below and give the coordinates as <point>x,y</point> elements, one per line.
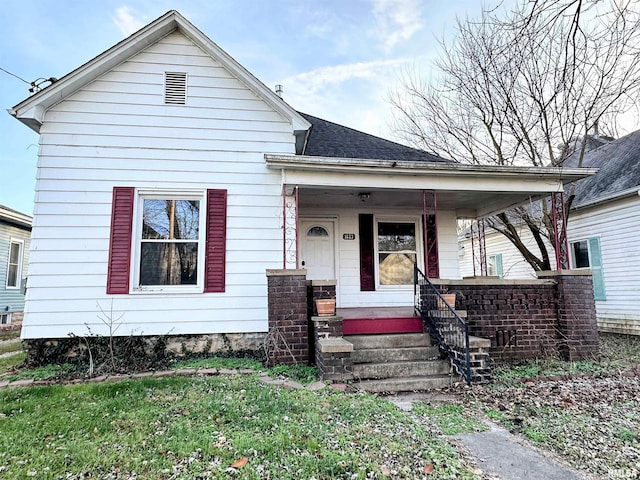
<point>117,131</point>
<point>514,266</point>
<point>616,225</point>
<point>12,297</point>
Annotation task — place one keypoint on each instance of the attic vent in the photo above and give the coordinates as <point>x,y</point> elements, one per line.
<point>175,88</point>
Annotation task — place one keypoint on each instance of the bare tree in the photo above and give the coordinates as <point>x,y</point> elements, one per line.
<point>519,87</point>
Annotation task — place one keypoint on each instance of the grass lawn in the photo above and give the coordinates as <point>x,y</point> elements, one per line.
<point>226,426</point>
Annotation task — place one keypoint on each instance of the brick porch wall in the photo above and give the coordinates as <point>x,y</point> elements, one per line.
<point>553,316</point>
<point>288,338</point>
<point>577,323</point>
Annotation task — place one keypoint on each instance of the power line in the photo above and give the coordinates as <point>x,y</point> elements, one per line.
<point>14,75</point>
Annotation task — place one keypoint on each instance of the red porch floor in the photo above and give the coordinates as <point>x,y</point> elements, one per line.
<point>373,320</point>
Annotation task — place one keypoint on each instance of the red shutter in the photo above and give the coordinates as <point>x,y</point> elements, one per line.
<point>214,280</point>
<point>367,278</point>
<point>120,243</point>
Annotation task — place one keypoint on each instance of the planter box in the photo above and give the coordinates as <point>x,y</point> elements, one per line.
<point>326,307</point>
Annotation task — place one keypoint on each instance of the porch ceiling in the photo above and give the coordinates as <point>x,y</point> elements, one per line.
<point>467,204</point>
<point>473,191</point>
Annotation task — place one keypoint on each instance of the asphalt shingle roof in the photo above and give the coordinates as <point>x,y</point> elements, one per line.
<point>328,139</point>
<point>619,169</point>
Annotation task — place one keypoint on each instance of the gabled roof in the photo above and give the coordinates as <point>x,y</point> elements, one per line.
<point>31,111</point>
<point>618,175</point>
<point>328,139</point>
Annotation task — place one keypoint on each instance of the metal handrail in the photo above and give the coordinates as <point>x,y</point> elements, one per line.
<point>444,323</point>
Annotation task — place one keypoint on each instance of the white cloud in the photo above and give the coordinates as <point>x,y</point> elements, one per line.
<point>319,79</point>
<point>354,95</point>
<point>396,21</point>
<point>127,22</point>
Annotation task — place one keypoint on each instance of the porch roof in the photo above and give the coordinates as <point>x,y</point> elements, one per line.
<point>474,191</point>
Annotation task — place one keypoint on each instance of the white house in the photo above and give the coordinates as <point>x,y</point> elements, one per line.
<point>601,229</point>
<point>170,180</point>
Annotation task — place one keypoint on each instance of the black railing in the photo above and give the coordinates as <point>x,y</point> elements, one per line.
<point>445,325</point>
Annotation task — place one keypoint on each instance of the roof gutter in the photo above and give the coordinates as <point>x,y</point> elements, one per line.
<point>400,167</point>
<point>15,218</point>
<point>630,192</point>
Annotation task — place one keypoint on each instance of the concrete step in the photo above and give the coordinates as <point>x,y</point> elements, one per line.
<point>407,384</point>
<point>401,369</point>
<point>393,340</point>
<point>381,355</point>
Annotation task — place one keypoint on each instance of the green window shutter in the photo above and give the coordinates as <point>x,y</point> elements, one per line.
<point>499,264</point>
<point>595,261</point>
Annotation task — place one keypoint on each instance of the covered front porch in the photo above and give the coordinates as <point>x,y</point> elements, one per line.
<point>364,223</point>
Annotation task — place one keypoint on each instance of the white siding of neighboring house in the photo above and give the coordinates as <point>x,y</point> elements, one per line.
<point>617,225</point>
<point>117,131</point>
<point>514,265</point>
<point>12,299</point>
<point>348,261</point>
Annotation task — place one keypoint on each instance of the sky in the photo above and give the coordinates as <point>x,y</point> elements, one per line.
<point>336,59</point>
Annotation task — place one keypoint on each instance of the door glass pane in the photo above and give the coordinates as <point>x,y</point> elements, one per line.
<point>317,232</point>
<point>169,263</point>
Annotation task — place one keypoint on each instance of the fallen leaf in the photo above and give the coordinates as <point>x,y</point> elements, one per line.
<point>428,468</point>
<point>386,471</point>
<point>241,462</point>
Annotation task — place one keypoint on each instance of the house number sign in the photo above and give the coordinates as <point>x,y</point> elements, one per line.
<point>348,236</point>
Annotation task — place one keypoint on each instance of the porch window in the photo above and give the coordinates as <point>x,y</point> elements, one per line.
<point>396,252</point>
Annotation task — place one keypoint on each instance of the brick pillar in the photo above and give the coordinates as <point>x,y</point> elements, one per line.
<point>577,325</point>
<point>319,289</point>
<point>288,338</point>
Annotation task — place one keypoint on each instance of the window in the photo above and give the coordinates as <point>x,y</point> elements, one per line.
<point>5,318</point>
<point>170,242</point>
<point>586,254</point>
<point>396,252</point>
<point>14,268</point>
<point>177,241</point>
<point>494,265</point>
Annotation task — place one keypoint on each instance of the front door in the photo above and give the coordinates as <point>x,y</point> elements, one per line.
<point>317,252</point>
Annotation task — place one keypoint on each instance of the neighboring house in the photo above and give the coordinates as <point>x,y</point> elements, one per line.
<point>15,232</point>
<point>170,180</point>
<point>601,231</point>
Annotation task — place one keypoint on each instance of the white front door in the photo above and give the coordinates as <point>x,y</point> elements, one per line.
<point>317,253</point>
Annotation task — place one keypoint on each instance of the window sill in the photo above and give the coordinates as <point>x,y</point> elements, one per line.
<point>166,290</point>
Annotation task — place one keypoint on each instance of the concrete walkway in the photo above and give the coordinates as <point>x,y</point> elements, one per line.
<point>497,452</point>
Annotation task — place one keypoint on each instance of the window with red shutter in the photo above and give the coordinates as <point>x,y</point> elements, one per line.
<point>177,246</point>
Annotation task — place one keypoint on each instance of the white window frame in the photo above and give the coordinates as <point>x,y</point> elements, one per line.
<point>20,243</point>
<point>182,194</point>
<point>599,285</point>
<point>5,318</point>
<point>495,257</point>
<point>415,219</point>
<point>573,257</point>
